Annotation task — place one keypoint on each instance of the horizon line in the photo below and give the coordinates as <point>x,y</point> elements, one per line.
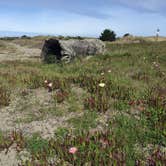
<point>34,34</point>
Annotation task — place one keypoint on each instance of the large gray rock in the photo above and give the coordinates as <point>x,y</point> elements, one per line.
<point>55,50</point>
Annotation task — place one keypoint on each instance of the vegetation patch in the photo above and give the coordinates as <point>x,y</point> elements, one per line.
<point>111,109</point>
<point>4,96</point>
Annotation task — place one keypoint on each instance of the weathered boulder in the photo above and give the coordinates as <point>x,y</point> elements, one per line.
<point>55,50</point>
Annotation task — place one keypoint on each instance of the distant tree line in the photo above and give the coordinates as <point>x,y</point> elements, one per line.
<point>110,35</point>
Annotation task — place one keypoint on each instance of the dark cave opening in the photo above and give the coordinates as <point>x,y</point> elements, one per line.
<point>53,49</point>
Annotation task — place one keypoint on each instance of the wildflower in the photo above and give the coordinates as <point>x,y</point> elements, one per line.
<point>50,84</point>
<point>157,65</point>
<point>154,63</point>
<point>73,150</point>
<point>102,85</point>
<point>109,71</point>
<point>102,74</point>
<point>46,81</point>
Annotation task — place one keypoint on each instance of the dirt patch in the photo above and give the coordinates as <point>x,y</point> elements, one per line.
<point>46,128</point>
<point>9,159</point>
<point>13,157</point>
<point>31,106</point>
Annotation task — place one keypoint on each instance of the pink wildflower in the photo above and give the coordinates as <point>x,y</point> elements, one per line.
<point>73,150</point>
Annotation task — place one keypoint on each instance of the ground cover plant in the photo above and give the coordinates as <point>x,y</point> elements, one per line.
<point>102,110</point>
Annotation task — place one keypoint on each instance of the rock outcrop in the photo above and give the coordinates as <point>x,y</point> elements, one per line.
<point>55,50</point>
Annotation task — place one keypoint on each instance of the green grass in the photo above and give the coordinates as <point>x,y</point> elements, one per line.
<point>4,96</point>
<point>85,122</point>
<point>130,132</point>
<point>36,144</point>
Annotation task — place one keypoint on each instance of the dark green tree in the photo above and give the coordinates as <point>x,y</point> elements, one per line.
<point>126,35</point>
<point>108,35</point>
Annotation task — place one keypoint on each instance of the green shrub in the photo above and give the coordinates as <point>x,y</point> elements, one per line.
<point>108,35</point>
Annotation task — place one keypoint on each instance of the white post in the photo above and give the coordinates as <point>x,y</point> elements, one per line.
<point>157,34</point>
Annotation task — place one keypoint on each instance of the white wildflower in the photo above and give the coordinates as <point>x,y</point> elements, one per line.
<point>102,85</point>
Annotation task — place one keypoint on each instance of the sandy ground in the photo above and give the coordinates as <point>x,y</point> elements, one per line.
<point>9,159</point>
<point>20,108</point>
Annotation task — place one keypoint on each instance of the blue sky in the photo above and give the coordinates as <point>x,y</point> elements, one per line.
<point>83,17</point>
